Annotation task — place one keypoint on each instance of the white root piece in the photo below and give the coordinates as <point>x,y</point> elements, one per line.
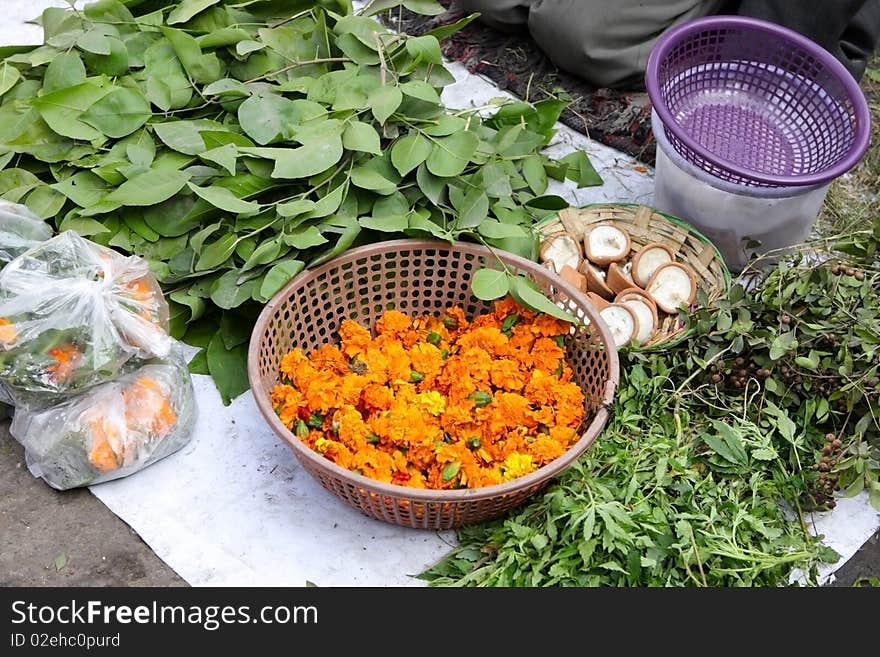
<point>648,259</point>
<point>618,277</point>
<point>562,249</point>
<point>604,244</point>
<point>574,277</point>
<point>646,312</point>
<point>623,323</point>
<point>595,280</point>
<point>672,286</point>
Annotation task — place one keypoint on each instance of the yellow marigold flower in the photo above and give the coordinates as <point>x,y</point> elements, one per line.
<point>432,401</point>
<point>516,465</point>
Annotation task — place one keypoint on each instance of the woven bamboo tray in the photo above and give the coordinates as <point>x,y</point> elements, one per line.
<point>644,225</point>
<point>420,277</point>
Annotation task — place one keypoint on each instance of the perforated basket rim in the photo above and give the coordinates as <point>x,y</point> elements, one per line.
<point>687,30</point>
<point>456,496</point>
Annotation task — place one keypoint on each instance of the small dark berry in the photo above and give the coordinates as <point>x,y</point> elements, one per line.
<point>785,319</point>
<point>827,449</point>
<point>837,444</point>
<point>860,275</point>
<point>716,378</point>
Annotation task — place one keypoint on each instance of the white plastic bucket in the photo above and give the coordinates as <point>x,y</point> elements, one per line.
<point>742,221</point>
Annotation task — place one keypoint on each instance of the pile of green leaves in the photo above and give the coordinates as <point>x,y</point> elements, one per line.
<point>715,449</point>
<point>233,143</point>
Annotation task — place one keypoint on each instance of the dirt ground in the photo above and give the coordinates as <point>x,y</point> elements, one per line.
<point>69,538</point>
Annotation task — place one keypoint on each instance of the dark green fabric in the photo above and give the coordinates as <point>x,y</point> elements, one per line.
<point>607,42</point>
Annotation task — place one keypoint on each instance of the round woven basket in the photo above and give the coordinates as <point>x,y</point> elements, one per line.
<point>420,277</point>
<point>644,225</point>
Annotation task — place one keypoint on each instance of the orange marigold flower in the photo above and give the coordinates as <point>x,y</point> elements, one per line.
<point>354,337</point>
<point>8,333</point>
<point>377,397</point>
<point>392,322</point>
<point>545,448</point>
<point>66,359</point>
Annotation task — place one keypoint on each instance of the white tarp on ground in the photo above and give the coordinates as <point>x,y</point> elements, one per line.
<point>234,508</point>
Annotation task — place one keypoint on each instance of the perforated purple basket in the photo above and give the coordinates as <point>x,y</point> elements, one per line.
<point>756,104</point>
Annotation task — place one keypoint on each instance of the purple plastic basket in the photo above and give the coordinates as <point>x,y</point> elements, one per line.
<point>756,104</point>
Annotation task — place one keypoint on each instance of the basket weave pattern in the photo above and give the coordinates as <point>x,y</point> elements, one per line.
<point>644,225</point>
<point>419,277</point>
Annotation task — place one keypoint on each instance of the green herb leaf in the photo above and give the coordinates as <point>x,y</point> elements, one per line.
<point>489,284</point>
<point>228,368</point>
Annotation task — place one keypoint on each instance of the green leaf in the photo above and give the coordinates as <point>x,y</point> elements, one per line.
<point>425,48</point>
<point>424,7</point>
<point>309,159</point>
<point>384,101</point>
<point>149,188</point>
<point>199,363</point>
<point>548,202</point>
<point>581,170</point>
<point>83,188</point>
<point>409,152</point>
<point>204,69</point>
<point>279,276</point>
<point>61,109</point>
<point>184,136</point>
<point>359,136</point>
<point>60,562</point>
<point>430,185</point>
<point>9,76</point>
<point>222,198</point>
<point>263,254</point>
<point>527,293</point>
<point>95,41</point>
<point>445,31</point>
<point>45,202</point>
<point>187,9</point>
<point>782,344</point>
<point>267,118</point>
<point>195,304</point>
<point>228,368</point>
<point>82,225</point>
<point>113,65</point>
<point>533,172</point>
<point>489,284</point>
<point>225,156</point>
<point>296,208</point>
<point>367,178</point>
<point>451,155</point>
<point>497,230</point>
<point>473,210</point>
<point>305,238</point>
<point>234,330</point>
<point>726,443</point>
<point>119,113</point>
<point>385,224</point>
<point>421,90</point>
<point>216,253</point>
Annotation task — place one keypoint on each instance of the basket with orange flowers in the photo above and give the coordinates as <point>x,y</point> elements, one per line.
<point>418,403</point>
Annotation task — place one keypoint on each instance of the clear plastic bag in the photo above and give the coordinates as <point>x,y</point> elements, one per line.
<point>112,430</point>
<point>72,314</point>
<point>20,230</point>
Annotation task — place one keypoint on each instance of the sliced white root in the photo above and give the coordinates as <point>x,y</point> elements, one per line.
<point>623,323</point>
<point>648,259</point>
<point>595,280</point>
<point>562,249</point>
<point>647,315</point>
<point>604,244</point>
<point>618,278</point>
<point>672,286</point>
